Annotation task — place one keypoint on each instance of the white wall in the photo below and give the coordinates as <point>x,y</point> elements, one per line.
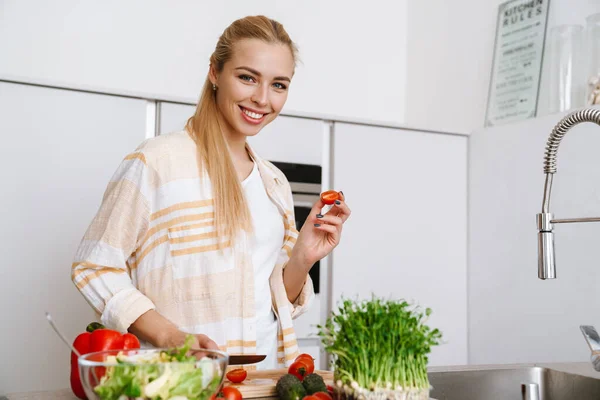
<point>353,55</point>
<point>449,58</point>
<point>450,47</point>
<point>514,316</point>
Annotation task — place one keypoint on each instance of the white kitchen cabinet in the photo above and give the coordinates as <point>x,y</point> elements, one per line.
<point>59,151</point>
<point>173,116</point>
<point>407,236</point>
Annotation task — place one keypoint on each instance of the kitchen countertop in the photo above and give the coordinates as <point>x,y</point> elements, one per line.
<point>578,368</point>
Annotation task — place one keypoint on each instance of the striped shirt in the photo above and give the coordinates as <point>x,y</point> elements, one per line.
<point>153,245</point>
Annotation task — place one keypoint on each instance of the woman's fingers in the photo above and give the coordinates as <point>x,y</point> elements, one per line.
<point>340,209</point>
<point>329,219</point>
<point>328,228</point>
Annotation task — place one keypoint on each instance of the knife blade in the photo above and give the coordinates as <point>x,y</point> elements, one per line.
<point>241,359</point>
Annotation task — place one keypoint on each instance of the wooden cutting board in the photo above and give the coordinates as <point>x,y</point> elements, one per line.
<point>262,383</point>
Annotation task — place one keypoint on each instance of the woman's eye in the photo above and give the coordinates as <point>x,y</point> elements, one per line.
<point>279,86</point>
<point>247,78</point>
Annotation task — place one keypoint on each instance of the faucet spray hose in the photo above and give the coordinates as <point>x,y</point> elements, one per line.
<point>559,131</point>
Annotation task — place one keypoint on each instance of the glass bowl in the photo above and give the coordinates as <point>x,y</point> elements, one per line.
<point>143,374</point>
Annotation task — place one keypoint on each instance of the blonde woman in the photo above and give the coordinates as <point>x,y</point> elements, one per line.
<point>196,232</point>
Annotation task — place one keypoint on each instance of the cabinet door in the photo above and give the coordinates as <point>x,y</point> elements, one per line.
<point>407,236</point>
<point>59,151</point>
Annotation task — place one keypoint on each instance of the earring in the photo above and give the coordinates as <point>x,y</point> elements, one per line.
<point>214,87</point>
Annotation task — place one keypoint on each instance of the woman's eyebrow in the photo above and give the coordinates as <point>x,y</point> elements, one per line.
<point>255,72</point>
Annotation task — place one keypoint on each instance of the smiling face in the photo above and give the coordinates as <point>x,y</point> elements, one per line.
<point>252,87</point>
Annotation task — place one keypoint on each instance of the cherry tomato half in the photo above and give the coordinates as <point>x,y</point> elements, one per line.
<point>329,197</point>
<point>311,397</point>
<point>237,375</point>
<point>230,393</point>
<point>299,369</point>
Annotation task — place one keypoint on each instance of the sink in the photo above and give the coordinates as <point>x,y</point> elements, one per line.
<point>501,384</point>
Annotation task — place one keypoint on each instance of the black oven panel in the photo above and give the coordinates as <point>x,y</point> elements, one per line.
<point>305,180</point>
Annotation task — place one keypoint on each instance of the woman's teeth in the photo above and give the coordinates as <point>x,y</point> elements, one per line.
<point>252,114</point>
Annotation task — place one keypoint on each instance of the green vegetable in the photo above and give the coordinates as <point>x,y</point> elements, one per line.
<point>314,383</point>
<point>379,344</point>
<point>176,375</point>
<point>290,388</point>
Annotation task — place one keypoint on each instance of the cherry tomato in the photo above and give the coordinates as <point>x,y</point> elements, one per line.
<point>329,197</point>
<point>322,396</point>
<point>308,360</point>
<point>231,393</point>
<point>304,355</point>
<point>237,375</point>
<point>311,397</point>
<point>299,369</point>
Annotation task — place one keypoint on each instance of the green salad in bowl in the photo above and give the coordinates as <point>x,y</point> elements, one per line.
<point>177,374</point>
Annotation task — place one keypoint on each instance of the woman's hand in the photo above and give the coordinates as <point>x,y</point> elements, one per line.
<point>201,341</point>
<point>320,234</point>
<point>204,342</point>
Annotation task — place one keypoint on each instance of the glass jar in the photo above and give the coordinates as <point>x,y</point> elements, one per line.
<point>567,82</point>
<point>592,52</point>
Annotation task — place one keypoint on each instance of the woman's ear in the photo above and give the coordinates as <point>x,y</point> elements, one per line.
<point>212,74</point>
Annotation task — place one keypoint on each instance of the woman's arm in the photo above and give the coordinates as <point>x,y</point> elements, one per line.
<point>160,332</point>
<point>294,276</point>
<point>319,235</point>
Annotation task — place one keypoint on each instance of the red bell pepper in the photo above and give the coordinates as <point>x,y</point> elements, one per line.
<point>97,338</point>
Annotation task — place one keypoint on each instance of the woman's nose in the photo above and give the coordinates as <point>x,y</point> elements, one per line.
<point>260,96</point>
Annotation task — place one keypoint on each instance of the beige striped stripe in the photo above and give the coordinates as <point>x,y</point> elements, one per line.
<point>289,344</point>
<point>193,238</point>
<point>106,270</point>
<point>87,266</point>
<point>241,343</point>
<point>292,356</point>
<point>176,221</point>
<point>288,331</point>
<point>139,156</point>
<point>149,248</point>
<point>191,226</point>
<point>280,349</point>
<point>291,239</point>
<point>199,249</point>
<point>84,264</point>
<point>288,250</point>
<point>180,206</point>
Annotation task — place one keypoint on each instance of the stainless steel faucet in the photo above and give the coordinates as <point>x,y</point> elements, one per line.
<point>545,220</point>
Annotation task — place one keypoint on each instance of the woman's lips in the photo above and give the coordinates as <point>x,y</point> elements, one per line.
<point>252,117</point>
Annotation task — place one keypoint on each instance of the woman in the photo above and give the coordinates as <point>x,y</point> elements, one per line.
<point>196,232</point>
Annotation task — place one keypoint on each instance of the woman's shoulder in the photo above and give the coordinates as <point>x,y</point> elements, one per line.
<point>166,146</point>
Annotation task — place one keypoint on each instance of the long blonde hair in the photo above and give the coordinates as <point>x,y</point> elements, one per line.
<point>231,211</point>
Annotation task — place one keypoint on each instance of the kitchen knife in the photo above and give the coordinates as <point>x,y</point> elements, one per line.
<point>241,359</point>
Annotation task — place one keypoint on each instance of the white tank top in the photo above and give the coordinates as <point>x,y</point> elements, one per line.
<point>266,243</point>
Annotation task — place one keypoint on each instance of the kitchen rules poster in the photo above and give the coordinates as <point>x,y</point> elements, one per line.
<point>518,57</point>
